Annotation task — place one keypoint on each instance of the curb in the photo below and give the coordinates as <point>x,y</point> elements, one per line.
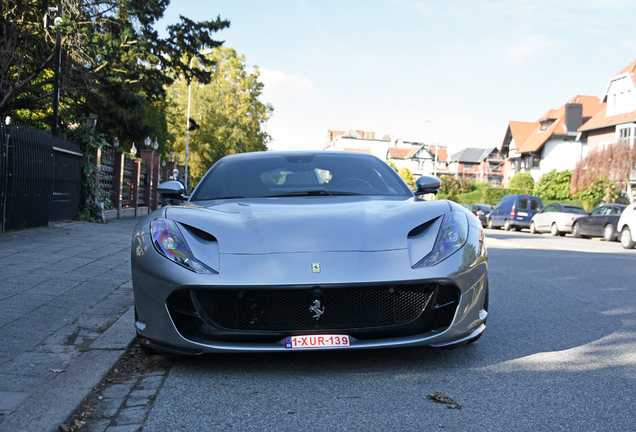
<point>52,405</point>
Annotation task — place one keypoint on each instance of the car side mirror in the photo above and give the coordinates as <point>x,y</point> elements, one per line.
<point>172,189</point>
<point>426,185</point>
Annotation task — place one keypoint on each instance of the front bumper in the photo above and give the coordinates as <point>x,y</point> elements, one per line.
<point>157,282</point>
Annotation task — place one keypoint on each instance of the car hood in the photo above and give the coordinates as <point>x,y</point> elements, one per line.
<point>308,224</point>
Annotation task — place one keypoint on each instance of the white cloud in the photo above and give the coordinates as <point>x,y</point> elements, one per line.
<point>281,86</point>
<point>530,46</point>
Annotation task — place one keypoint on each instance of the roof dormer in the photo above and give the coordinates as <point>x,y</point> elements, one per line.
<point>620,94</point>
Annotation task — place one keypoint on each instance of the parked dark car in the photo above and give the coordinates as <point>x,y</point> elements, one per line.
<point>514,212</point>
<point>602,222</point>
<point>481,211</point>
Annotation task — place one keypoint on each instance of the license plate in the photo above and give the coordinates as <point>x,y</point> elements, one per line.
<point>522,214</point>
<point>317,341</point>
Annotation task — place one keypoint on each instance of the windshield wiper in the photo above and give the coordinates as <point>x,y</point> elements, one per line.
<point>318,192</point>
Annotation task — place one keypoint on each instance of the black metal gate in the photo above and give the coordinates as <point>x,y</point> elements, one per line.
<point>40,178</point>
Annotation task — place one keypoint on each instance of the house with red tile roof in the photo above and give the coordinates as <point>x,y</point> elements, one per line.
<point>415,156</point>
<point>616,120</point>
<point>552,142</point>
<point>418,158</point>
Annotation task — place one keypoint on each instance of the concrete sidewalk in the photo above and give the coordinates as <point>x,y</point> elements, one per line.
<point>63,290</point>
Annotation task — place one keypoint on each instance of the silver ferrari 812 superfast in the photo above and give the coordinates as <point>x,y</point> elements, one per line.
<point>277,251</point>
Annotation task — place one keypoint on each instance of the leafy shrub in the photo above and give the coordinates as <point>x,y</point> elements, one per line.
<point>554,185</point>
<point>521,180</point>
<point>455,186</point>
<point>492,195</point>
<point>601,189</point>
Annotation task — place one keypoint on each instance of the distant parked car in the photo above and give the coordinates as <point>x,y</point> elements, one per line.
<point>514,212</point>
<point>557,218</point>
<point>602,222</point>
<point>627,226</point>
<point>481,211</point>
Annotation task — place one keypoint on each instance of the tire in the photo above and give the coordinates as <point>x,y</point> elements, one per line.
<point>576,231</point>
<point>533,228</point>
<point>506,226</point>
<point>554,230</point>
<point>626,238</point>
<point>609,233</point>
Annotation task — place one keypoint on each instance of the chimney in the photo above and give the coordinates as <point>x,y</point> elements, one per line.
<point>573,116</point>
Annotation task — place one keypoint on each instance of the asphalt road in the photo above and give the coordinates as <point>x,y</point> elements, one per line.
<point>559,353</point>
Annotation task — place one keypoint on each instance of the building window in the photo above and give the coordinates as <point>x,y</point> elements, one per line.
<point>546,124</point>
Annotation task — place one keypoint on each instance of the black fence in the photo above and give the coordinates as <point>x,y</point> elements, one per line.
<point>40,178</point>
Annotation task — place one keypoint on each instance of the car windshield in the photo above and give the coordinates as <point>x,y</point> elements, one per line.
<point>575,210</point>
<point>299,174</point>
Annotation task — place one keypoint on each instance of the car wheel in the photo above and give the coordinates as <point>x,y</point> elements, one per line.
<point>626,238</point>
<point>554,230</point>
<point>608,233</point>
<point>506,225</point>
<point>533,228</point>
<point>576,231</point>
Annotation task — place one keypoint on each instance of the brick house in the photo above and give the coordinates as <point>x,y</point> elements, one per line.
<point>484,165</point>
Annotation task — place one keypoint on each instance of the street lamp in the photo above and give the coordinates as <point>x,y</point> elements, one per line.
<point>147,142</point>
<point>203,52</point>
<point>436,146</point>
<point>133,150</point>
<point>155,145</point>
<point>171,155</point>
<point>115,142</point>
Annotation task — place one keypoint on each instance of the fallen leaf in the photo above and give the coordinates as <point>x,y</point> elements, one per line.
<point>57,370</point>
<point>442,398</point>
<point>65,428</point>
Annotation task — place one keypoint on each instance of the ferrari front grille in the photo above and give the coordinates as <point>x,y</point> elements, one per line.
<point>298,309</point>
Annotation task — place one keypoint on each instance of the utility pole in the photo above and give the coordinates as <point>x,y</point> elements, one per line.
<point>58,60</point>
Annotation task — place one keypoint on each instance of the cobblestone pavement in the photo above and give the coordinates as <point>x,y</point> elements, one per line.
<point>123,399</point>
<point>61,288</point>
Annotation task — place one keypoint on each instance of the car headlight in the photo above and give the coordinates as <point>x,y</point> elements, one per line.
<point>451,237</point>
<point>169,242</point>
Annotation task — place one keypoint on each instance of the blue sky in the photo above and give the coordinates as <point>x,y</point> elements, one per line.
<point>389,65</point>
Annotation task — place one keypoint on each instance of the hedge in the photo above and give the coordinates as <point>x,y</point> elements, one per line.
<point>492,195</point>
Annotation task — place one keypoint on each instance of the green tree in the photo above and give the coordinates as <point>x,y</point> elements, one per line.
<point>554,185</point>
<point>113,65</point>
<point>521,180</point>
<point>408,176</point>
<point>227,109</point>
